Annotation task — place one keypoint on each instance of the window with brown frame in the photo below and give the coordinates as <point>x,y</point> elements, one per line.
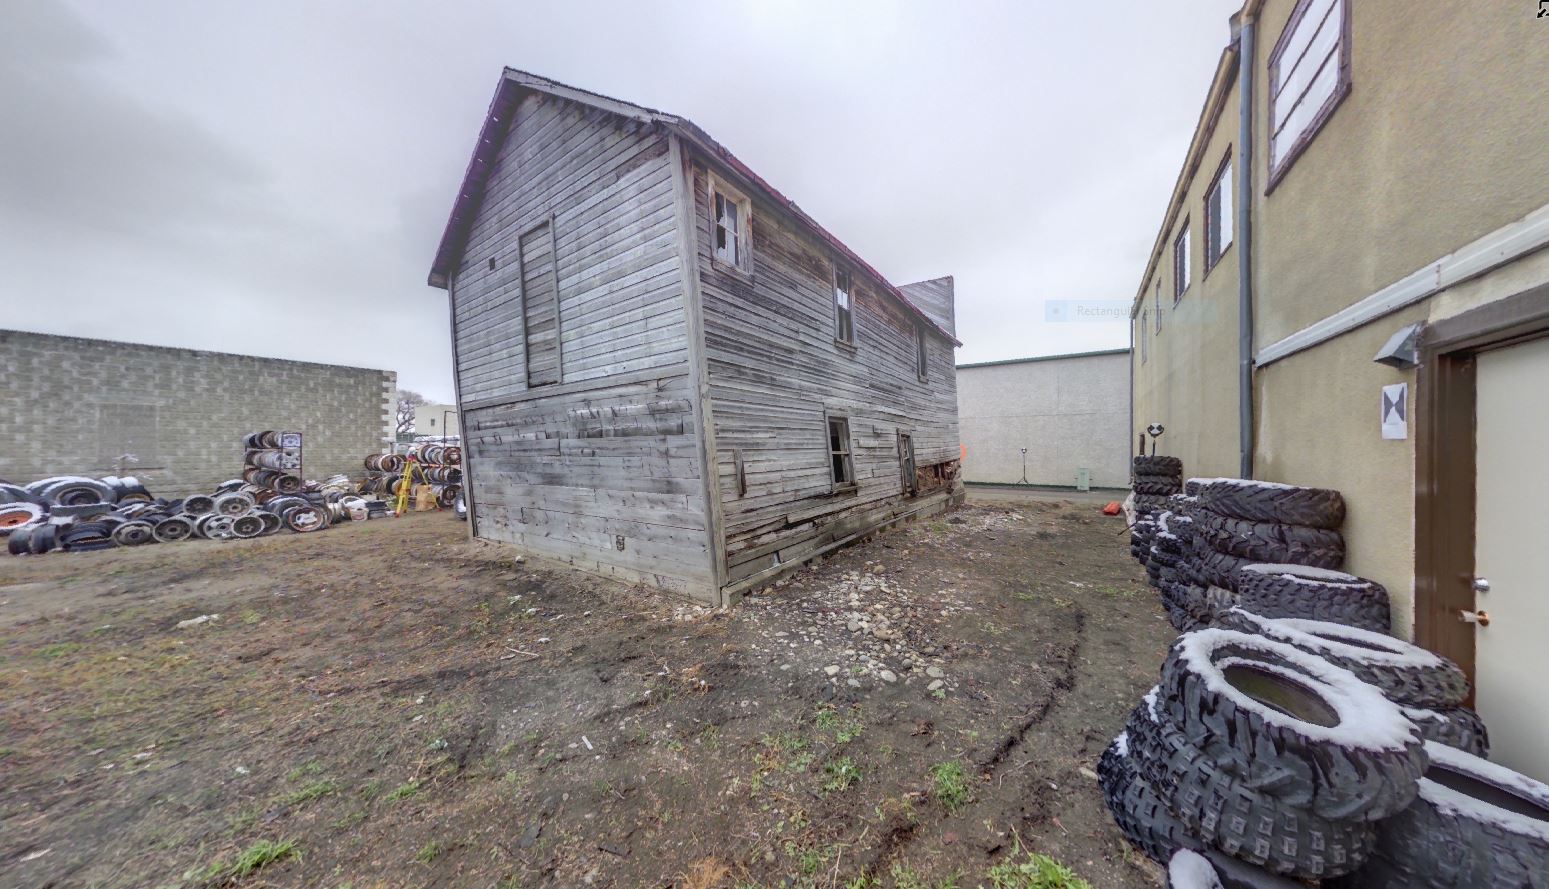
<point>841,463</point>
<point>1309,74</point>
<point>1218,215</point>
<point>844,316</point>
<point>1181,263</point>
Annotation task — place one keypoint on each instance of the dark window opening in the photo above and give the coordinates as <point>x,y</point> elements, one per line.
<point>840,461</point>
<point>920,354</point>
<point>843,313</point>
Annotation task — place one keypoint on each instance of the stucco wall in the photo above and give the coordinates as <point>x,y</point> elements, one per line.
<point>1069,412</point>
<point>73,406</point>
<point>1432,149</point>
<point>1186,372</point>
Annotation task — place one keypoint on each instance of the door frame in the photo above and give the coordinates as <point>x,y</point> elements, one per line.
<point>1445,495</point>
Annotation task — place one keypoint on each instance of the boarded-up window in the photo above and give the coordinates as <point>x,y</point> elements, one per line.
<point>127,437</point>
<point>540,305</point>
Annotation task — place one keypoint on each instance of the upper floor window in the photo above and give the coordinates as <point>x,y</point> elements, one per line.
<point>1181,263</point>
<point>1218,216</point>
<point>1156,304</point>
<point>919,351</point>
<point>1309,73</point>
<point>844,316</point>
<point>1144,350</point>
<point>731,215</point>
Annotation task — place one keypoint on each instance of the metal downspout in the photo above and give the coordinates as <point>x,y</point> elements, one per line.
<point>1245,84</point>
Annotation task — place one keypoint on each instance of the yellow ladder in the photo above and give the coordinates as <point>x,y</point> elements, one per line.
<point>411,468</point>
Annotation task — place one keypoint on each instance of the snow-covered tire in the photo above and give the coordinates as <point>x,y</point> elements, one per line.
<point>1457,727</point>
<point>1260,501</point>
<point>1301,591</point>
<point>1211,869</point>
<point>1292,725</point>
<point>1228,813</point>
<point>1272,541</point>
<point>1406,674</point>
<point>1188,869</point>
<point>1136,807</point>
<point>1475,825</point>
<point>1158,465</point>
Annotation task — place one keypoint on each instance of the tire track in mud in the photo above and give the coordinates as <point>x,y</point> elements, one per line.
<point>901,833</point>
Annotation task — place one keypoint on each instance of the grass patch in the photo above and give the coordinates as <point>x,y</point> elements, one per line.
<point>430,852</point>
<point>1035,871</point>
<point>949,784</point>
<point>841,773</point>
<point>59,649</point>
<point>260,854</point>
<point>315,790</point>
<point>404,791</point>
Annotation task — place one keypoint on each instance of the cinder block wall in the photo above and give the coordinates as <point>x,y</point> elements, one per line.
<point>72,406</point>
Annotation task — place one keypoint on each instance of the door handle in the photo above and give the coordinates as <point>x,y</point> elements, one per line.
<point>1482,618</point>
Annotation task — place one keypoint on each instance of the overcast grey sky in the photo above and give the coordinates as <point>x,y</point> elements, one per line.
<point>272,178</point>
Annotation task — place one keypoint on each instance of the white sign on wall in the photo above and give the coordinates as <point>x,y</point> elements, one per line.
<point>1395,411</point>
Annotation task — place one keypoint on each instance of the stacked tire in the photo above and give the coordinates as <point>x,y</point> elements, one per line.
<point>1156,477</point>
<point>1262,752</point>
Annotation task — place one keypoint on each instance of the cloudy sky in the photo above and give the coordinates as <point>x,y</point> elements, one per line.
<point>272,178</point>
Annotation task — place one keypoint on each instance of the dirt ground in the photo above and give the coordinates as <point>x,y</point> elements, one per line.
<point>385,704</point>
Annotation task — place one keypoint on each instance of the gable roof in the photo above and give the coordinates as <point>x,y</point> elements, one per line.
<point>508,94</point>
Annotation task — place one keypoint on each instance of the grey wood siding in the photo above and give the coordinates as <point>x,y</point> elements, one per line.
<point>606,479</point>
<point>606,185</point>
<point>775,373</point>
<point>935,299</point>
<point>596,464</point>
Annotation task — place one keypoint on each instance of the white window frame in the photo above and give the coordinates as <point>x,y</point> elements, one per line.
<point>846,453</point>
<point>741,240</point>
<point>844,306</point>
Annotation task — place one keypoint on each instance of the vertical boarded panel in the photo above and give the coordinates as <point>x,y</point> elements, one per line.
<point>539,310</point>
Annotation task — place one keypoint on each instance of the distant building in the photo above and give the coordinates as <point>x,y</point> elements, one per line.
<point>174,418</point>
<point>436,421</point>
<point>1056,420</point>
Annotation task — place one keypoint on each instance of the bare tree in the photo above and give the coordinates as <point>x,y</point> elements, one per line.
<point>408,400</point>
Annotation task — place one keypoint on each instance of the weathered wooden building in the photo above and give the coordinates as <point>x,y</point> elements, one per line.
<point>666,371</point>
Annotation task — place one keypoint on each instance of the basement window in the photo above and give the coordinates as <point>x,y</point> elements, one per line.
<point>731,215</point>
<point>844,313</point>
<point>1309,74</point>
<point>1181,263</point>
<point>1218,215</point>
<point>841,463</point>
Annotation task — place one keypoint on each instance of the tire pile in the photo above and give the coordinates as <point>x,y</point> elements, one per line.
<point>441,464</point>
<point>1285,750</point>
<point>78,514</point>
<point>272,460</point>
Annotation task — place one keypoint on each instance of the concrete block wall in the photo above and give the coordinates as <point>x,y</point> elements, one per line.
<point>1070,412</point>
<point>72,406</point>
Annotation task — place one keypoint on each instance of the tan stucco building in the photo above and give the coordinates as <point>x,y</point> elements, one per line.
<point>1387,168</point>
